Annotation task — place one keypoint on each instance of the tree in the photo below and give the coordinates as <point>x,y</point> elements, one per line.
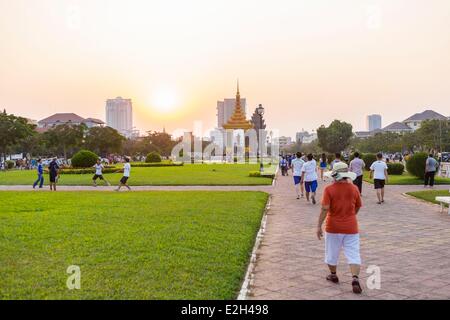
<point>104,140</point>
<point>65,138</point>
<point>160,142</point>
<point>380,142</point>
<point>13,130</point>
<point>434,135</point>
<point>336,137</point>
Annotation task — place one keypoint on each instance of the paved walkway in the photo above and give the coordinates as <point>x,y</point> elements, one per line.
<point>408,239</point>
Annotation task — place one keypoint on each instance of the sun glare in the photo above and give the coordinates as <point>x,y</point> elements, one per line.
<point>164,99</point>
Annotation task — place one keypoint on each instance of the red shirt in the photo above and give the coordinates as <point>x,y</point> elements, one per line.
<point>343,199</point>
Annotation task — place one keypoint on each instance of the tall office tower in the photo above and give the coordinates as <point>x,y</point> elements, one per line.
<point>225,110</point>
<point>373,122</point>
<point>119,115</point>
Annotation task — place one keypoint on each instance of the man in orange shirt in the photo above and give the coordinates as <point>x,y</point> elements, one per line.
<point>340,204</point>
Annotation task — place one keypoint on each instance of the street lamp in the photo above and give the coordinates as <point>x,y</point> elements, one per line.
<point>260,111</point>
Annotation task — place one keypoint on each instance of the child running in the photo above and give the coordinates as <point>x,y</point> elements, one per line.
<point>126,175</point>
<point>99,173</point>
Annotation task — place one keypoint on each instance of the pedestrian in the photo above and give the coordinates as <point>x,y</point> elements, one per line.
<point>297,165</point>
<point>357,166</point>
<point>431,166</point>
<point>378,171</point>
<point>284,167</point>
<point>309,178</point>
<point>126,175</point>
<point>40,172</point>
<point>340,205</point>
<point>53,172</point>
<point>99,173</point>
<point>337,159</point>
<point>323,165</point>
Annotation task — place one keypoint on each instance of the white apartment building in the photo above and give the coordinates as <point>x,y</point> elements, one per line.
<point>119,115</point>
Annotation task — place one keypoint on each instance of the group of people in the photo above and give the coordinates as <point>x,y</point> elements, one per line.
<point>54,173</point>
<point>341,202</point>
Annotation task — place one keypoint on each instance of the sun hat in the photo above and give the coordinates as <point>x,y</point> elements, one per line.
<point>340,171</point>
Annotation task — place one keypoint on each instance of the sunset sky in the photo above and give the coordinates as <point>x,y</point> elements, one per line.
<point>307,61</point>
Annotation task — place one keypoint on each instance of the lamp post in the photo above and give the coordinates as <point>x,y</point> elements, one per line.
<point>260,111</point>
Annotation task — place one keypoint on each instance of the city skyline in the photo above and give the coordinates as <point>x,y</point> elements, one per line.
<point>307,63</point>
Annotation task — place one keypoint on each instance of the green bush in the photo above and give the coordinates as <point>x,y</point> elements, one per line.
<point>416,164</point>
<point>395,169</point>
<point>368,159</point>
<point>10,164</point>
<point>153,157</point>
<point>84,159</point>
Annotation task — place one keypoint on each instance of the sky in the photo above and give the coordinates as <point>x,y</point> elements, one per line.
<point>308,62</point>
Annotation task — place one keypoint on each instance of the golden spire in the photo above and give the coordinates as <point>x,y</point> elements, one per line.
<point>238,119</point>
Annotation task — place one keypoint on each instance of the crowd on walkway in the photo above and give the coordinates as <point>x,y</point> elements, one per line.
<point>341,200</point>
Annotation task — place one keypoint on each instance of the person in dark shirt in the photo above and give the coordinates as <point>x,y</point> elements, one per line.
<point>53,168</point>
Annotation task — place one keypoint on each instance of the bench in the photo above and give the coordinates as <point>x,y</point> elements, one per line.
<point>443,200</point>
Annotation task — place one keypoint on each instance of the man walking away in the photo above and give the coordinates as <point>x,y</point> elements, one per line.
<point>40,172</point>
<point>340,205</point>
<point>297,165</point>
<point>430,170</point>
<point>336,160</point>
<point>53,174</point>
<point>357,166</point>
<point>99,173</point>
<point>309,177</point>
<point>284,166</point>
<point>126,175</point>
<point>378,171</point>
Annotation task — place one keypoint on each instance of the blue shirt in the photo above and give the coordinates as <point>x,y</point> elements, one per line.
<point>40,169</point>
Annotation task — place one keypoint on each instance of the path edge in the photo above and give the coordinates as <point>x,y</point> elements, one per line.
<point>245,287</point>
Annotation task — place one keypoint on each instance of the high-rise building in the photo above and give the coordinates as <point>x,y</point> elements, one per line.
<point>119,115</point>
<point>225,110</point>
<point>373,122</point>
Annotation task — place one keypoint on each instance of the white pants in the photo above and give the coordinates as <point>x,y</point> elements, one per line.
<point>333,244</point>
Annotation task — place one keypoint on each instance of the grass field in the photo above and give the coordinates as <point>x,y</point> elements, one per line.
<point>140,245</point>
<point>199,174</point>
<point>406,179</point>
<point>430,195</point>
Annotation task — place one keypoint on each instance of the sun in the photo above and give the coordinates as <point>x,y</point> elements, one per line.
<point>164,99</point>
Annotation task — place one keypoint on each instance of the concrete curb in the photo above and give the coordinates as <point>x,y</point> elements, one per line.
<point>245,288</point>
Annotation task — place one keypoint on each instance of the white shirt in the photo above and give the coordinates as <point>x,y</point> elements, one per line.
<point>98,169</point>
<point>378,168</point>
<point>126,169</point>
<point>310,170</point>
<point>297,165</point>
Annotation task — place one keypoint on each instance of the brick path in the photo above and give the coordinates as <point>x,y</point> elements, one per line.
<point>408,239</point>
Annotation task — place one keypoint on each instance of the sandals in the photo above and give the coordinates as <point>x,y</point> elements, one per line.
<point>333,278</point>
<point>356,286</point>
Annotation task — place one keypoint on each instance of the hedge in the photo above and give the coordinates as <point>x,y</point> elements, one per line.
<point>85,170</point>
<point>368,159</point>
<point>162,164</point>
<point>84,159</point>
<point>257,174</point>
<point>153,157</point>
<point>395,169</point>
<point>416,164</point>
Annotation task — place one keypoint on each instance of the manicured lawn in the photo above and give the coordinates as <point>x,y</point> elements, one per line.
<point>131,245</point>
<point>407,179</point>
<point>201,174</point>
<point>430,195</point>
